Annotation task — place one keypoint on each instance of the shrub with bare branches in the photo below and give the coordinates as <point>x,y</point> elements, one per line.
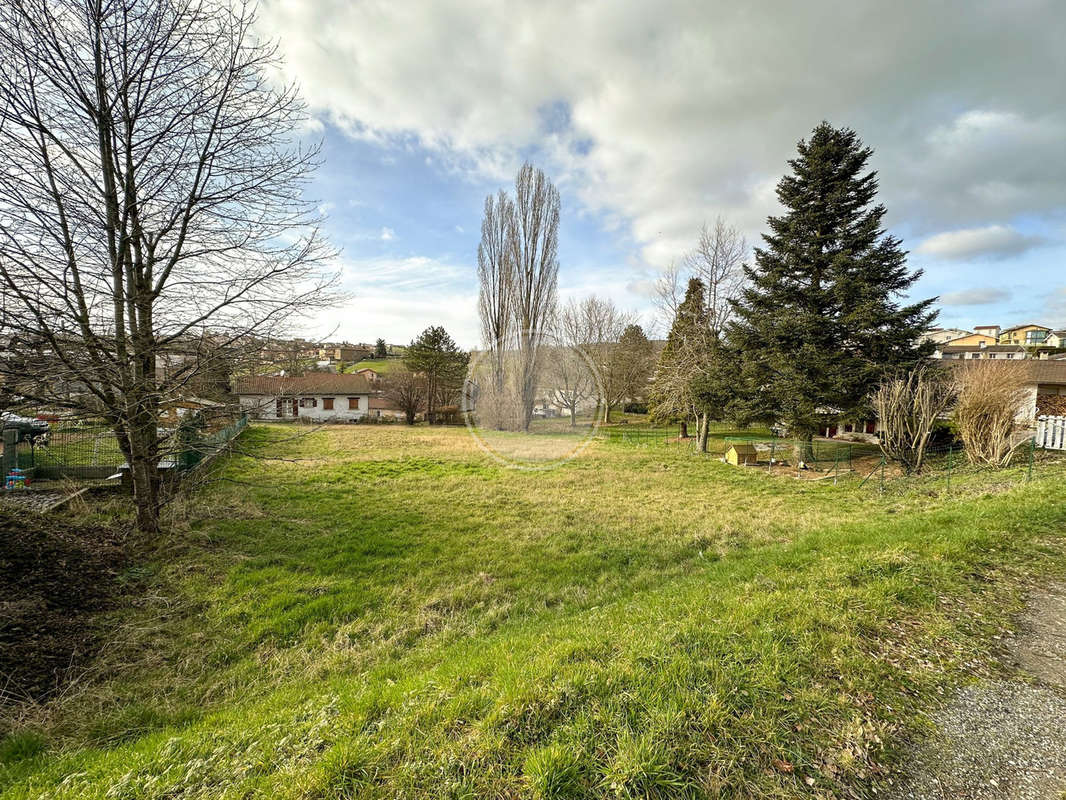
<point>991,396</point>
<point>908,407</point>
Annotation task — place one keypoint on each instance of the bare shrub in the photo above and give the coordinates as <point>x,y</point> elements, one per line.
<point>908,407</point>
<point>990,398</point>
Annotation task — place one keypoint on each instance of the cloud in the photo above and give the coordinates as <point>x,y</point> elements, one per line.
<point>658,116</point>
<point>396,298</point>
<point>975,297</point>
<point>387,234</point>
<point>991,241</point>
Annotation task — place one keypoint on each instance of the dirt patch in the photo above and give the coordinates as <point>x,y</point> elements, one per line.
<point>54,578</point>
<point>1006,739</point>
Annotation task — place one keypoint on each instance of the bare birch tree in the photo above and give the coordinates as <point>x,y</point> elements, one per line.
<point>152,214</point>
<point>534,249</point>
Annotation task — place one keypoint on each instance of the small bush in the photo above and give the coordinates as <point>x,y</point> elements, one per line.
<point>991,396</point>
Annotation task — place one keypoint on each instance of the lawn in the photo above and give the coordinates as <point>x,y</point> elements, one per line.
<point>380,611</point>
<point>381,365</point>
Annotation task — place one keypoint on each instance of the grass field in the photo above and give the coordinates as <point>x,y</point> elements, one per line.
<point>381,365</point>
<point>383,612</point>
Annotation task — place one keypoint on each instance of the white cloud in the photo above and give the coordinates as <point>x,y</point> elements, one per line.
<point>396,298</point>
<point>992,241</point>
<point>387,234</point>
<point>662,115</point>
<point>975,297</point>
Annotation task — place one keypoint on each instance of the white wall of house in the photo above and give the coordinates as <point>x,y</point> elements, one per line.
<point>345,407</point>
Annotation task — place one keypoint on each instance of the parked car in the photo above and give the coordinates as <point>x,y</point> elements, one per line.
<point>34,431</point>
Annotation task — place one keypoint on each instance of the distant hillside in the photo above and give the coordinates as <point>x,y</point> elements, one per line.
<point>382,365</point>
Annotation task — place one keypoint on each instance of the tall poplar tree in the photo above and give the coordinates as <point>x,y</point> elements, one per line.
<point>820,322</point>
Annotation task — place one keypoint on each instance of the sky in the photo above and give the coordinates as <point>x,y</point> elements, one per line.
<point>655,117</point>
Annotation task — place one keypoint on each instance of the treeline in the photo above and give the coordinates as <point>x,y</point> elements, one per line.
<point>802,335</point>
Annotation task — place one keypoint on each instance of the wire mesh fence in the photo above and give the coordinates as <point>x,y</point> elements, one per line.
<point>858,464</point>
<point>80,448</point>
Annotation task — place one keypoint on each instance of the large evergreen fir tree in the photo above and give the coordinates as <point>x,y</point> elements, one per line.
<point>820,322</point>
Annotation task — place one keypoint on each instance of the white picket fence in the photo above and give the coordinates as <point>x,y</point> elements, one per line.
<point>1051,433</point>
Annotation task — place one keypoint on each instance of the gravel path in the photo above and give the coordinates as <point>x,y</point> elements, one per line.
<point>1004,740</point>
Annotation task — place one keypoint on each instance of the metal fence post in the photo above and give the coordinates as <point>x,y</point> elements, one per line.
<point>882,490</point>
<point>1032,456</point>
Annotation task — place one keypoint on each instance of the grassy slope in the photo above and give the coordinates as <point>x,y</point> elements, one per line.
<point>382,365</point>
<point>394,615</point>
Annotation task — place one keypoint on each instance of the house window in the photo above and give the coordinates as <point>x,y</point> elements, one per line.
<point>353,403</point>
<point>327,403</point>
<point>308,402</point>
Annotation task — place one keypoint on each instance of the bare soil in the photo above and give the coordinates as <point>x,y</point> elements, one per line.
<point>55,579</point>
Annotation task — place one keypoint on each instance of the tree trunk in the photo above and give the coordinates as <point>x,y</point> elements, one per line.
<point>606,411</point>
<point>683,434</point>
<point>146,494</point>
<point>573,416</point>
<point>705,425</point>
<point>141,451</point>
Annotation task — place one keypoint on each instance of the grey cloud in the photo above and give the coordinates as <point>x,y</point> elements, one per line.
<point>975,297</point>
<point>992,241</point>
<point>678,111</point>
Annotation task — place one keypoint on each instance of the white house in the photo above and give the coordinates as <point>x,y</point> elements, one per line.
<point>321,396</point>
<point>942,335</point>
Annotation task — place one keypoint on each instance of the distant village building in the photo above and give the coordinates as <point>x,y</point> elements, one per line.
<point>324,396</point>
<point>1029,341</point>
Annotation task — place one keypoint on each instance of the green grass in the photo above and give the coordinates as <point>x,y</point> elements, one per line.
<point>381,365</point>
<point>386,612</point>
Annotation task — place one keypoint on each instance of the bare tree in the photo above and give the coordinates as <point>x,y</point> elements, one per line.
<point>151,199</point>
<point>717,260</point>
<point>534,245</point>
<point>908,406</point>
<point>692,370</point>
<point>406,390</point>
<point>496,276</point>
<point>991,398</point>
<point>571,377</point>
<point>593,327</point>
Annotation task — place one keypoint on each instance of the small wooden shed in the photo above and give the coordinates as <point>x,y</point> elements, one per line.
<point>741,454</point>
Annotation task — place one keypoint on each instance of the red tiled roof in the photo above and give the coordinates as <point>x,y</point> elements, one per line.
<point>1036,370</point>
<point>314,383</point>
